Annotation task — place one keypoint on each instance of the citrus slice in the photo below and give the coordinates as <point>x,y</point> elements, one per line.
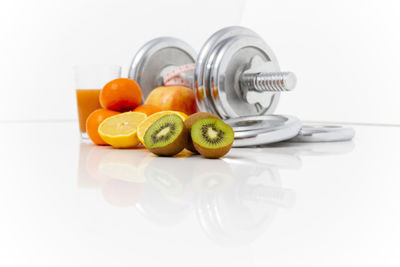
<point>120,130</point>
<point>145,124</point>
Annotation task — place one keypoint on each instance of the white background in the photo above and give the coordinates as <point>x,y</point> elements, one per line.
<point>345,53</point>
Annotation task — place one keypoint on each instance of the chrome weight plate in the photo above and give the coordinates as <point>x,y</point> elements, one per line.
<point>155,57</point>
<point>263,129</point>
<point>324,133</point>
<point>228,60</point>
<point>201,73</point>
<point>255,123</point>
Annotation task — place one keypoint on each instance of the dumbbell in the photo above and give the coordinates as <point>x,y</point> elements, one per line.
<point>236,76</point>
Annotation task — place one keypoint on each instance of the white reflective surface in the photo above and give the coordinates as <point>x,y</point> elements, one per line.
<point>64,203</point>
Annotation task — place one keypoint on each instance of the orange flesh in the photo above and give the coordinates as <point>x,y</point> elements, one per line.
<point>88,101</point>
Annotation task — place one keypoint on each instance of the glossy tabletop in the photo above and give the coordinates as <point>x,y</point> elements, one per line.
<point>66,203</point>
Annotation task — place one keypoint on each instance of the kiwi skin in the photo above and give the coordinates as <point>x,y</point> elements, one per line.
<point>190,121</point>
<point>175,147</point>
<point>213,153</point>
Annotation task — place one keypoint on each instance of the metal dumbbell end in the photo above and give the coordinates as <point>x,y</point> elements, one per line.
<point>252,84</point>
<point>271,82</point>
<point>256,80</point>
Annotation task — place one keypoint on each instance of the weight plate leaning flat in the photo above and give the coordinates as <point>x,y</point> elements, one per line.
<point>264,129</point>
<point>324,133</point>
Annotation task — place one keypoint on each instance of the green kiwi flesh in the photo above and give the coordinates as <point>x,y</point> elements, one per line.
<point>167,136</point>
<point>190,121</point>
<point>211,137</point>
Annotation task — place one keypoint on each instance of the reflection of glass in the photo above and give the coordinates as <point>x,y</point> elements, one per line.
<point>89,79</point>
<point>87,178</point>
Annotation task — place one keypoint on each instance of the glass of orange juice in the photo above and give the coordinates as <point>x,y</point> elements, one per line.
<point>89,80</point>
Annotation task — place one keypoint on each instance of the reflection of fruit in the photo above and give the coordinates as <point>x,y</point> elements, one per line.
<point>177,98</point>
<point>120,193</point>
<point>121,95</point>
<point>165,182</point>
<point>167,176</point>
<point>93,122</point>
<point>167,136</point>
<point>211,137</point>
<point>145,124</point>
<point>104,163</point>
<point>212,176</point>
<point>189,122</point>
<point>160,208</point>
<point>120,130</point>
<point>123,165</point>
<point>147,109</point>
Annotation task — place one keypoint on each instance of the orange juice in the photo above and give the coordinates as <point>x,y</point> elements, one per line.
<point>88,101</point>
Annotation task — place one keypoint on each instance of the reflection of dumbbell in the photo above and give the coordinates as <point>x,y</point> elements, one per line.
<point>262,186</point>
<point>236,73</point>
<point>270,195</point>
<point>240,214</point>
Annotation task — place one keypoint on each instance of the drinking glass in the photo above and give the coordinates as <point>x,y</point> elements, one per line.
<point>89,79</point>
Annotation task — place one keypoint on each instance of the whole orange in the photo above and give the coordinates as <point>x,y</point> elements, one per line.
<point>147,109</point>
<point>176,98</point>
<point>121,95</point>
<point>94,120</point>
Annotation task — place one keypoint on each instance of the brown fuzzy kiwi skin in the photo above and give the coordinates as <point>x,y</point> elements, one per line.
<point>190,121</point>
<point>213,153</point>
<point>175,147</point>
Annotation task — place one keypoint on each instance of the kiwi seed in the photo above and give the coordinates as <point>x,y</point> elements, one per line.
<point>211,137</point>
<point>167,136</point>
<point>190,121</point>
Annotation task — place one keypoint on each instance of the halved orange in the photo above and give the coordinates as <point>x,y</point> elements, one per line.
<point>145,124</point>
<point>120,130</point>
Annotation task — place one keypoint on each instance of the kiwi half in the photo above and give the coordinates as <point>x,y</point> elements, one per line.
<point>167,136</point>
<point>190,121</point>
<point>211,137</point>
